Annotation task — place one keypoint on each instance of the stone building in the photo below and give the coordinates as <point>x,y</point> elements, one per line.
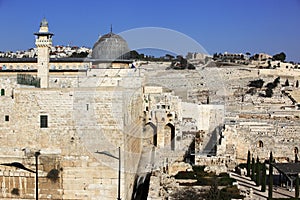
<point>69,116</point>
<point>68,113</point>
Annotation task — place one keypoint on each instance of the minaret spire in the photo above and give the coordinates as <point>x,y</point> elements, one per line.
<point>43,43</point>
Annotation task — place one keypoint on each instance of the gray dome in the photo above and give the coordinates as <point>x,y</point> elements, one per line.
<point>110,47</point>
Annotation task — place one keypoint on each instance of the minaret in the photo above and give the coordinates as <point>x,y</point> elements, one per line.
<point>43,43</point>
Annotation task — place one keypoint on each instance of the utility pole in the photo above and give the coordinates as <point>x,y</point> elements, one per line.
<point>36,155</point>
<point>119,176</point>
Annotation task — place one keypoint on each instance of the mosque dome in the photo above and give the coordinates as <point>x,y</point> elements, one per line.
<point>110,47</point>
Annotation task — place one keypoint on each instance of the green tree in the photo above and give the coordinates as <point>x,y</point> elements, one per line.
<point>134,55</point>
<point>269,64</point>
<point>276,81</point>
<point>79,55</point>
<point>257,179</point>
<point>269,93</point>
<point>263,178</point>
<point>287,82</point>
<point>270,191</point>
<point>214,192</point>
<point>248,164</point>
<point>256,83</point>
<point>215,56</point>
<point>280,56</point>
<point>297,187</point>
<point>254,57</point>
<point>253,169</point>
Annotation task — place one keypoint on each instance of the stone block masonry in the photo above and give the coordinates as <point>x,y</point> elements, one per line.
<point>78,122</point>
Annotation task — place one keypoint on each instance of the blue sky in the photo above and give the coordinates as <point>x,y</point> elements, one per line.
<point>236,26</point>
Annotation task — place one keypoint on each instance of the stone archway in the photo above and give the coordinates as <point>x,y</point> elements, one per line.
<point>296,151</point>
<point>260,144</point>
<point>150,133</point>
<point>169,131</point>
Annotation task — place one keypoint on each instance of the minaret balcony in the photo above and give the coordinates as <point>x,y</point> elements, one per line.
<point>44,42</point>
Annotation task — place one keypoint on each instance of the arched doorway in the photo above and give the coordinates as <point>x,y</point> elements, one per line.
<point>170,135</point>
<point>296,150</point>
<point>2,92</point>
<point>150,133</point>
<point>260,144</point>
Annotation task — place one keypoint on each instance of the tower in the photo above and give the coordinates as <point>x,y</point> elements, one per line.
<point>43,43</point>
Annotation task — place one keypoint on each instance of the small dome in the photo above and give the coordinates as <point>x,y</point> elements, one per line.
<point>110,47</point>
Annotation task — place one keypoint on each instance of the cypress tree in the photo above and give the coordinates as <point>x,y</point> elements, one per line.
<point>270,191</point>
<point>263,178</point>
<point>297,187</point>
<point>253,170</point>
<point>287,82</point>
<point>257,171</point>
<point>248,164</point>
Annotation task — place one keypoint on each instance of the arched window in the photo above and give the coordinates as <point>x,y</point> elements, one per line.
<point>296,150</point>
<point>151,131</point>
<point>260,144</point>
<point>2,92</point>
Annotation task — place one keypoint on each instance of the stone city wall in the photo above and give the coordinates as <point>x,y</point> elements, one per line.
<point>52,65</point>
<point>80,121</point>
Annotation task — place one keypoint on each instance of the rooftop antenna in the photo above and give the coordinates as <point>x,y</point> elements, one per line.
<point>110,28</point>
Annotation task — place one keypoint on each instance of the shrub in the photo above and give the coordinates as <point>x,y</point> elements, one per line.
<point>231,192</point>
<point>269,93</point>
<point>242,165</point>
<point>185,175</point>
<point>198,168</point>
<point>251,91</point>
<point>223,175</point>
<point>271,85</point>
<point>226,181</point>
<point>256,83</point>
